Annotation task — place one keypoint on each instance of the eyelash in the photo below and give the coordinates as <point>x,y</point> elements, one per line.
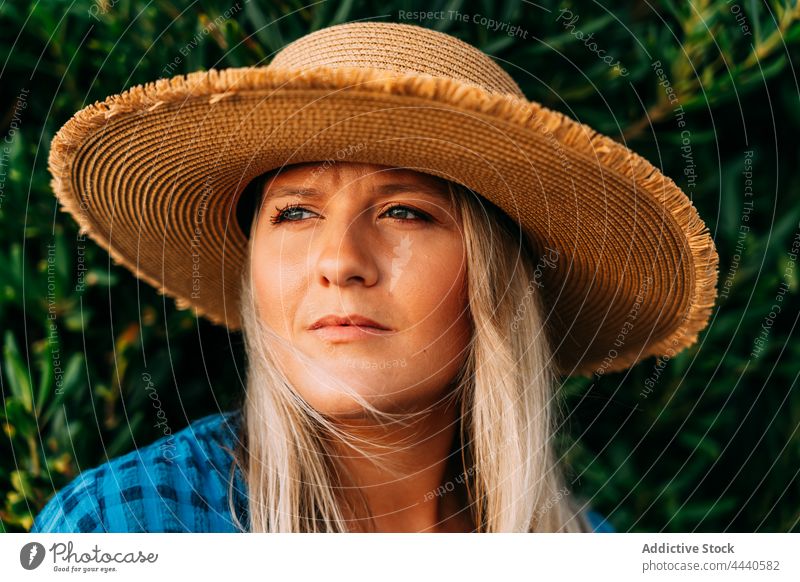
<point>279,217</point>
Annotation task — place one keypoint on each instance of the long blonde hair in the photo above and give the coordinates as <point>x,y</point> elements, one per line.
<point>508,467</point>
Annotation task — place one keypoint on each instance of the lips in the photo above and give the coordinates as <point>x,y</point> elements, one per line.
<point>353,319</point>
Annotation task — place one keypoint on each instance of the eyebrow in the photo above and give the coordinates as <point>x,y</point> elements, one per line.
<point>382,190</point>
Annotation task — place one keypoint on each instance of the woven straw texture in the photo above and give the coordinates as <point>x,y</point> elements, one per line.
<point>153,176</point>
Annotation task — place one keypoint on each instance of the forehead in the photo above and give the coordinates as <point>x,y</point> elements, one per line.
<point>311,177</point>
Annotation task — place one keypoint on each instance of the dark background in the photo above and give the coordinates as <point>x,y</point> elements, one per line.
<point>705,441</point>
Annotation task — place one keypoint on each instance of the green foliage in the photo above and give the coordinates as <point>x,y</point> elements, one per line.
<point>711,445</point>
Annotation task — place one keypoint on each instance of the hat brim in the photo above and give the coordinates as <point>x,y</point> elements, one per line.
<point>153,175</point>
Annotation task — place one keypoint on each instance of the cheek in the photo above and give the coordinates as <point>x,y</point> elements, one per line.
<point>277,285</point>
<point>433,288</point>
<point>433,291</point>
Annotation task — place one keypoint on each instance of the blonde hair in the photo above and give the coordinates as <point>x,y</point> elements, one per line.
<point>512,481</point>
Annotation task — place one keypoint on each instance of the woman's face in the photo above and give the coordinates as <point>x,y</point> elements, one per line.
<point>359,239</point>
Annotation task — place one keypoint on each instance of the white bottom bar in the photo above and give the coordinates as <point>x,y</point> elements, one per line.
<point>401,557</point>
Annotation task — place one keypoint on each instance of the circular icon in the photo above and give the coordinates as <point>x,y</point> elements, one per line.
<point>31,555</point>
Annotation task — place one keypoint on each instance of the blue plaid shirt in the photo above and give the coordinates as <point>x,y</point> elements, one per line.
<point>176,484</point>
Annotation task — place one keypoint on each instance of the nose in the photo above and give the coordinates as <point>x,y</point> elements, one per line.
<point>346,251</point>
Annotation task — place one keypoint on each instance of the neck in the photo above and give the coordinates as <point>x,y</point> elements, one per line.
<point>402,495</point>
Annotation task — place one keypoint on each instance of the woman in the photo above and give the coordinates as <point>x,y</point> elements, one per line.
<point>420,253</point>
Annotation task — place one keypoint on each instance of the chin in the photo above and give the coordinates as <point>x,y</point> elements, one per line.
<point>342,406</point>
<point>336,395</point>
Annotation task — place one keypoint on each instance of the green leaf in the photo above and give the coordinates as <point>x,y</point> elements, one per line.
<point>703,510</point>
<point>104,277</point>
<point>123,439</point>
<point>69,383</point>
<point>46,377</point>
<point>499,44</point>
<point>17,374</point>
<point>266,29</point>
<point>20,418</point>
<point>21,483</point>
<point>700,444</point>
<point>343,13</point>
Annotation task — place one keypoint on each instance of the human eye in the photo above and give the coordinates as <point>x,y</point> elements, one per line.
<point>286,211</point>
<point>406,209</point>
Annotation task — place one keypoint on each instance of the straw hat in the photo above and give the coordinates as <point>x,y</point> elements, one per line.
<point>627,269</point>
